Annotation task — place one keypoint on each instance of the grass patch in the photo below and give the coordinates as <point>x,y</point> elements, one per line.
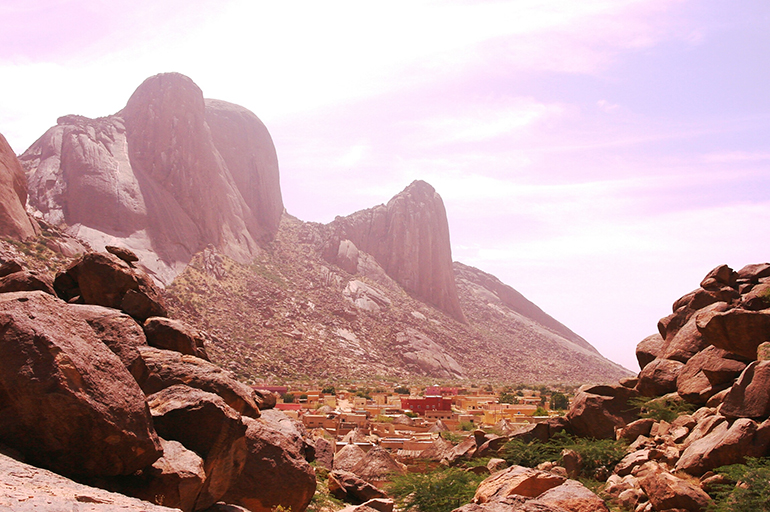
<point>441,490</point>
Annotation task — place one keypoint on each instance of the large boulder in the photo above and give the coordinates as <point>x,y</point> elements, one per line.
<point>377,466</point>
<point>27,488</point>
<point>293,429</point>
<point>572,496</point>
<point>724,445</point>
<point>204,423</point>
<point>106,280</point>
<point>749,397</point>
<point>66,401</point>
<point>167,367</point>
<point>346,486</point>
<point>26,281</point>
<point>736,330</point>
<point>14,221</point>
<point>659,377</point>
<point>171,334</point>
<point>121,333</point>
<point>597,410</point>
<point>518,480</point>
<point>666,491</point>
<point>348,456</point>
<point>707,373</point>
<point>272,466</point>
<point>649,349</point>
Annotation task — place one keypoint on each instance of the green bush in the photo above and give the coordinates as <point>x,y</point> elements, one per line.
<point>559,401</point>
<point>329,390</point>
<point>751,493</point>
<point>401,390</point>
<point>540,411</point>
<point>594,452</point>
<point>441,490</point>
<point>288,398</point>
<point>507,398</point>
<point>662,408</point>
<point>467,426</point>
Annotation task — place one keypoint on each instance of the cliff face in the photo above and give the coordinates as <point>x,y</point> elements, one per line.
<point>152,177</point>
<point>409,238</point>
<point>14,221</point>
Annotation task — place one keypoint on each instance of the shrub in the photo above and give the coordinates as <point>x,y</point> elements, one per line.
<point>752,491</point>
<point>442,490</point>
<point>663,408</point>
<point>559,401</point>
<point>329,390</point>
<point>401,390</point>
<point>288,398</point>
<point>467,426</point>
<point>507,398</point>
<point>540,411</point>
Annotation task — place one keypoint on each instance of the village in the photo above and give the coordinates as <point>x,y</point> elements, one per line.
<point>406,421</point>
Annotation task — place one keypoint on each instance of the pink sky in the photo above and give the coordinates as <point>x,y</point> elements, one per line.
<point>599,156</point>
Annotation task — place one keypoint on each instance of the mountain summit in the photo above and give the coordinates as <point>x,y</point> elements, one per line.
<point>166,176</point>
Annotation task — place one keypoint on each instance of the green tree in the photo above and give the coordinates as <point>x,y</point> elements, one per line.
<point>329,390</point>
<point>401,390</point>
<point>559,401</point>
<point>540,411</point>
<point>288,398</point>
<point>507,398</point>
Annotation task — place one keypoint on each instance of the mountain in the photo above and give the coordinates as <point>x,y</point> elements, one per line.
<point>14,221</point>
<point>166,176</point>
<point>192,187</point>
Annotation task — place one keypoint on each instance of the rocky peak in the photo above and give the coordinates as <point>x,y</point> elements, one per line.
<point>152,177</point>
<point>409,238</point>
<point>14,221</point>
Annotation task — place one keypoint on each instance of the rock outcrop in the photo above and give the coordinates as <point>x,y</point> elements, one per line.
<point>14,221</point>
<point>157,178</point>
<point>409,238</point>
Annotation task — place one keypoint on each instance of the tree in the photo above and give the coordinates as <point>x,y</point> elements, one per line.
<point>507,398</point>
<point>559,401</point>
<point>401,390</point>
<point>288,398</point>
<point>329,390</point>
<point>540,411</point>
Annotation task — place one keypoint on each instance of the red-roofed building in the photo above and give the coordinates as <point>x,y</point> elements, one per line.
<point>426,403</point>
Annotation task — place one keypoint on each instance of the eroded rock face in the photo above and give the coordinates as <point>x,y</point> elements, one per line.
<point>14,221</point>
<point>409,238</point>
<point>597,410</point>
<point>157,178</point>
<point>66,401</point>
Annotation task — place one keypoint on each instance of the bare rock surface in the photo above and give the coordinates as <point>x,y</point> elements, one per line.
<point>25,488</point>
<point>597,410</point>
<point>348,456</point>
<point>167,368</point>
<point>66,401</point>
<point>749,397</point>
<point>666,491</point>
<point>377,465</point>
<point>260,486</point>
<point>516,480</point>
<point>26,281</point>
<point>14,221</point>
<point>158,179</point>
<point>347,486</point>
<point>175,335</point>
<point>659,377</point>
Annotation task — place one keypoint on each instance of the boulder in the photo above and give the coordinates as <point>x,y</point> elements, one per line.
<point>494,465</point>
<point>106,280</point>
<point>758,298</point>
<point>10,267</point>
<point>271,467</point>
<point>689,340</point>
<point>465,450</point>
<point>736,330</point>
<point>174,480</point>
<point>66,401</point>
<point>348,456</point>
<point>324,453</point>
<point>659,377</point>
<point>171,334</point>
<point>572,496</point>
<point>597,410</point>
<point>516,480</point>
<point>438,451</point>
<point>119,332</point>
<point>348,487</point>
<point>754,272</point>
<point>707,373</point>
<point>749,397</point>
<point>377,465</point>
<point>293,429</point>
<point>26,281</point>
<point>720,276</point>
<point>167,368</point>
<point>725,445</point>
<point>666,491</point>
<point>640,427</point>
<point>27,488</point>
<point>204,423</point>
<point>14,221</point>
<point>124,254</point>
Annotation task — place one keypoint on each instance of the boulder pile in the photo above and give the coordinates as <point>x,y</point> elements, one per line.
<point>98,385</point>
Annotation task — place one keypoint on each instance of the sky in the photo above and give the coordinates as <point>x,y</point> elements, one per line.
<point>599,156</point>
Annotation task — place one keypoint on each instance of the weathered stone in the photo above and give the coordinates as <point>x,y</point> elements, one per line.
<point>763,351</point>
<point>516,480</point>
<point>409,238</point>
<point>204,423</point>
<point>640,427</point>
<point>707,373</point>
<point>171,334</point>
<point>346,486</point>
<point>659,377</point>
<point>14,221</point>
<point>689,340</point>
<point>666,491</point>
<point>377,466</point>
<point>124,254</point>
<point>262,487</point>
<point>174,480</point>
<point>572,496</point>
<point>465,450</point>
<point>66,401</point>
<point>27,488</point>
<point>736,330</point>
<point>348,456</point>
<point>703,428</point>
<point>324,453</point>
<point>167,368</point>
<point>532,432</point>
<point>491,446</point>
<point>26,281</point>
<point>758,298</point>
<point>106,280</point>
<point>119,332</point>
<point>749,397</point>
<point>725,445</point>
<point>631,461</point>
<point>494,465</point>
<point>629,382</point>
<point>10,267</point>
<point>572,462</point>
<point>597,410</point>
<point>293,429</point>
<point>649,349</point>
<point>754,272</point>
